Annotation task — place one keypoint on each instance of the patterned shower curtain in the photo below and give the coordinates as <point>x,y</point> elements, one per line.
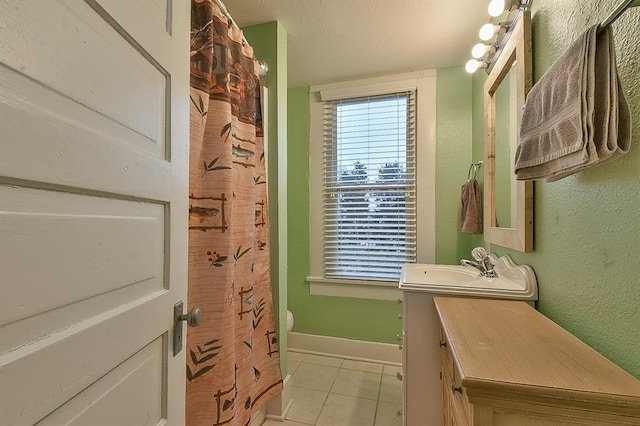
<point>233,364</point>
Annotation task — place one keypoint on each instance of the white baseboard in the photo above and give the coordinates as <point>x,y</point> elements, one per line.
<point>359,350</point>
<point>258,418</point>
<point>278,407</point>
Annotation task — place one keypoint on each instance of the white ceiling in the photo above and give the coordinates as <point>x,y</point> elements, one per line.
<point>334,40</point>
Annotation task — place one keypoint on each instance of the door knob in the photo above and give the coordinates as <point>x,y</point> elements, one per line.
<point>193,317</point>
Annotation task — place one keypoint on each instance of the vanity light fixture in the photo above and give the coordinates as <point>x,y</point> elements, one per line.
<point>498,7</point>
<point>481,49</point>
<point>473,64</point>
<point>489,30</point>
<point>485,54</point>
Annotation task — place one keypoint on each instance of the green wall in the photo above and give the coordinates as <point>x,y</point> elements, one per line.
<point>453,158</point>
<point>477,116</point>
<point>269,42</point>
<point>374,320</point>
<point>371,320</point>
<point>587,226</point>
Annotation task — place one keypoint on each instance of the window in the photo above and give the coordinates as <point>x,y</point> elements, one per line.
<point>369,186</point>
<point>371,183</point>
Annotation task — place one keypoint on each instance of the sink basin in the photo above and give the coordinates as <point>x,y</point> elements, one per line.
<point>438,274</point>
<point>513,281</point>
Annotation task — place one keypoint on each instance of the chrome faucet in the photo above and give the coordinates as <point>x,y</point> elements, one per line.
<point>483,263</point>
<point>465,262</point>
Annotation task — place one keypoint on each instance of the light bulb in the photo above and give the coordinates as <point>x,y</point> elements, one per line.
<point>479,50</point>
<point>487,31</point>
<point>472,66</point>
<point>496,7</point>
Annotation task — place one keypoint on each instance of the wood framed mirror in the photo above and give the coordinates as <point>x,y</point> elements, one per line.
<point>508,205</point>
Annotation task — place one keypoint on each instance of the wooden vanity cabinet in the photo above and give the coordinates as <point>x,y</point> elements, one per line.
<point>505,364</point>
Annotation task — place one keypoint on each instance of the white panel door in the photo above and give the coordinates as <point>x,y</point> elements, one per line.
<point>94,134</point>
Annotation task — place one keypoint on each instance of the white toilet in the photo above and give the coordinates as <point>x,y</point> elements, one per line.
<point>289,321</point>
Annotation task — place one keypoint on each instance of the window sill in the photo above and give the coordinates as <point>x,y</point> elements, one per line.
<point>357,289</point>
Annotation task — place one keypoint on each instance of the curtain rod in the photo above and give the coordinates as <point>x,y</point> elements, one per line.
<point>264,67</point>
<point>624,5</point>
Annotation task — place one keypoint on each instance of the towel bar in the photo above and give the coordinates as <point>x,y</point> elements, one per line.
<point>624,5</point>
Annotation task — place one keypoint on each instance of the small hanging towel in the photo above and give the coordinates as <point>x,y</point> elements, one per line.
<point>471,220</point>
<point>576,116</point>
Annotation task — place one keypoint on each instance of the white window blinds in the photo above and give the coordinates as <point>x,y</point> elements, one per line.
<point>369,186</point>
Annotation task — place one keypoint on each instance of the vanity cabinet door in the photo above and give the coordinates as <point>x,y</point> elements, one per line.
<point>455,404</point>
<point>462,414</point>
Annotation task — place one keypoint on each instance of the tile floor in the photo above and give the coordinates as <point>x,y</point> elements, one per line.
<point>330,391</point>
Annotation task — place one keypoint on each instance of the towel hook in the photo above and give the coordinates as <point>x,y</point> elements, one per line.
<point>473,170</point>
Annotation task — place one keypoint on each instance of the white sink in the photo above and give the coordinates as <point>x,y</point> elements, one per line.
<point>513,281</point>
<point>417,273</point>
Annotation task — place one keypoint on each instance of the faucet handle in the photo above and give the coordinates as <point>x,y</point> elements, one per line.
<point>479,254</point>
